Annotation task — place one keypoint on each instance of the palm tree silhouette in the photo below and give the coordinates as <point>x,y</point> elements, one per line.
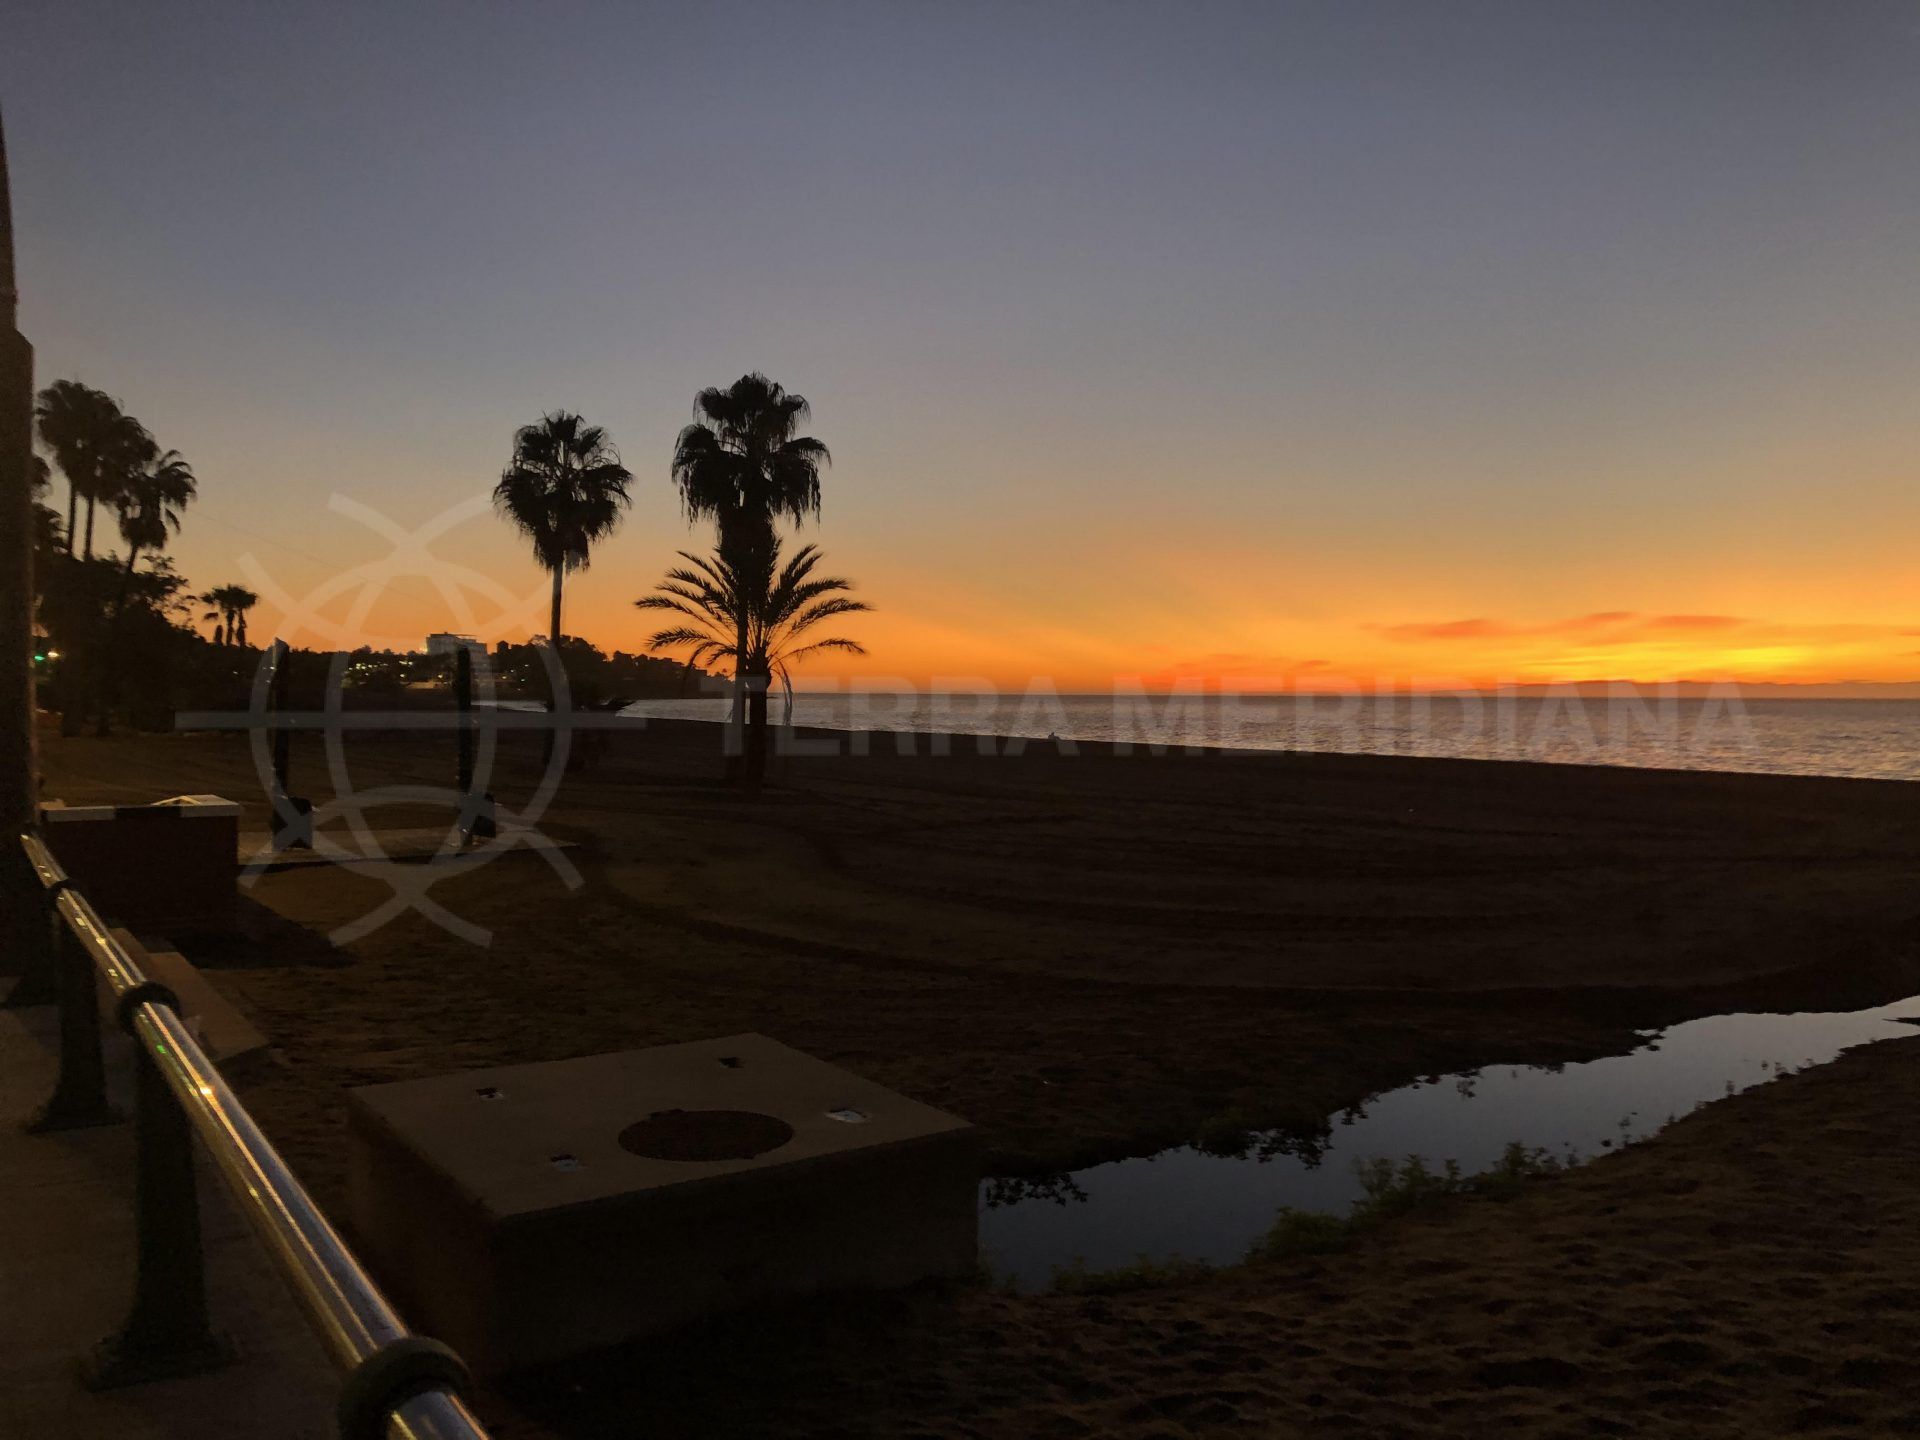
<point>565,488</point>
<point>149,489</point>
<point>93,442</point>
<point>761,618</point>
<point>230,606</point>
<point>150,501</point>
<point>743,467</point>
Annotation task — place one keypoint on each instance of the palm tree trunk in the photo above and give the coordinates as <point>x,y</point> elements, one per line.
<point>240,619</point>
<point>737,711</point>
<point>73,513</point>
<point>756,767</point>
<point>100,668</point>
<point>88,555</point>
<point>553,639</point>
<point>741,548</point>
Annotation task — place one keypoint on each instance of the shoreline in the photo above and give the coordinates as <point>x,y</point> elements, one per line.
<point>1897,757</point>
<point>1014,745</point>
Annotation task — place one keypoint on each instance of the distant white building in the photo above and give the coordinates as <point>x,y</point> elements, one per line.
<point>442,643</point>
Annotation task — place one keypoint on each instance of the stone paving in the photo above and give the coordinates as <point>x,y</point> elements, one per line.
<point>66,1275</point>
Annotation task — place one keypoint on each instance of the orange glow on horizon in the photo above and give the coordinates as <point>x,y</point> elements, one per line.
<point>938,636</point>
<point>1084,597</point>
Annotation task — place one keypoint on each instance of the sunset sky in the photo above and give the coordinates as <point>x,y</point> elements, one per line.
<point>1264,344</point>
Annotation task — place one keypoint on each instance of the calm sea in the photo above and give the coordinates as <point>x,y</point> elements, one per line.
<point>1871,738</point>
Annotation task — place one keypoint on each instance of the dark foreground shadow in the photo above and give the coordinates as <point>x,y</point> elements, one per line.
<point>262,939</point>
<point>839,1365</point>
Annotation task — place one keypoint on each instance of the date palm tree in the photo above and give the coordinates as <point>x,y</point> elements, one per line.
<point>761,619</point>
<point>742,466</point>
<point>564,489</point>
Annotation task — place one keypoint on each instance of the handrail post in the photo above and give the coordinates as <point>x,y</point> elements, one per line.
<point>39,982</point>
<point>167,1331</point>
<point>79,1098</point>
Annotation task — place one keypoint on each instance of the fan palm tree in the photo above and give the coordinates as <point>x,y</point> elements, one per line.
<point>94,443</point>
<point>239,601</point>
<point>760,618</point>
<point>151,499</point>
<point>216,612</point>
<point>123,467</point>
<point>230,604</point>
<point>565,489</point>
<point>741,465</point>
<point>150,489</point>
<point>72,420</point>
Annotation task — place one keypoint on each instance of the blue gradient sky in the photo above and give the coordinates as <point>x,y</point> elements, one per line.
<point>1259,342</point>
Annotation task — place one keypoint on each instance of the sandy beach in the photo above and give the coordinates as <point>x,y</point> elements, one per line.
<point>1097,956</point>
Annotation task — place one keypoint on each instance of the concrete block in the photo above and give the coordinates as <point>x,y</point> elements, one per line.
<point>167,867</point>
<point>530,1212</point>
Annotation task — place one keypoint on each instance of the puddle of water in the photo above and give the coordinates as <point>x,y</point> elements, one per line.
<point>1192,1205</point>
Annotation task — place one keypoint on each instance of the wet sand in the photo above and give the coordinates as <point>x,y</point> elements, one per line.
<point>1096,956</point>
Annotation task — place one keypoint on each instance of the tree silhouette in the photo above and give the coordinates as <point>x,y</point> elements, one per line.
<point>564,489</point>
<point>761,619</point>
<point>149,489</point>
<point>230,606</point>
<point>741,465</point>
<point>95,444</point>
<point>151,498</point>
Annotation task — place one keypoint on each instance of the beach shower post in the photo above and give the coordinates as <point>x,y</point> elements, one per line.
<point>292,815</point>
<point>476,811</point>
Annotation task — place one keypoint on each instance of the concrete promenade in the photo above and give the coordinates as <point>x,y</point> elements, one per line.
<point>66,1275</point>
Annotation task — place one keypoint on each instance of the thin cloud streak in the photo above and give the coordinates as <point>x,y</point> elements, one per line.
<point>1613,624</point>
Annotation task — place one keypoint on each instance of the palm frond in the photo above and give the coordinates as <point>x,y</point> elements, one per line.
<point>776,603</point>
<point>564,489</point>
<point>742,465</point>
<point>851,647</point>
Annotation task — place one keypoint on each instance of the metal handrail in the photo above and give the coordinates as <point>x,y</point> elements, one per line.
<point>354,1321</point>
